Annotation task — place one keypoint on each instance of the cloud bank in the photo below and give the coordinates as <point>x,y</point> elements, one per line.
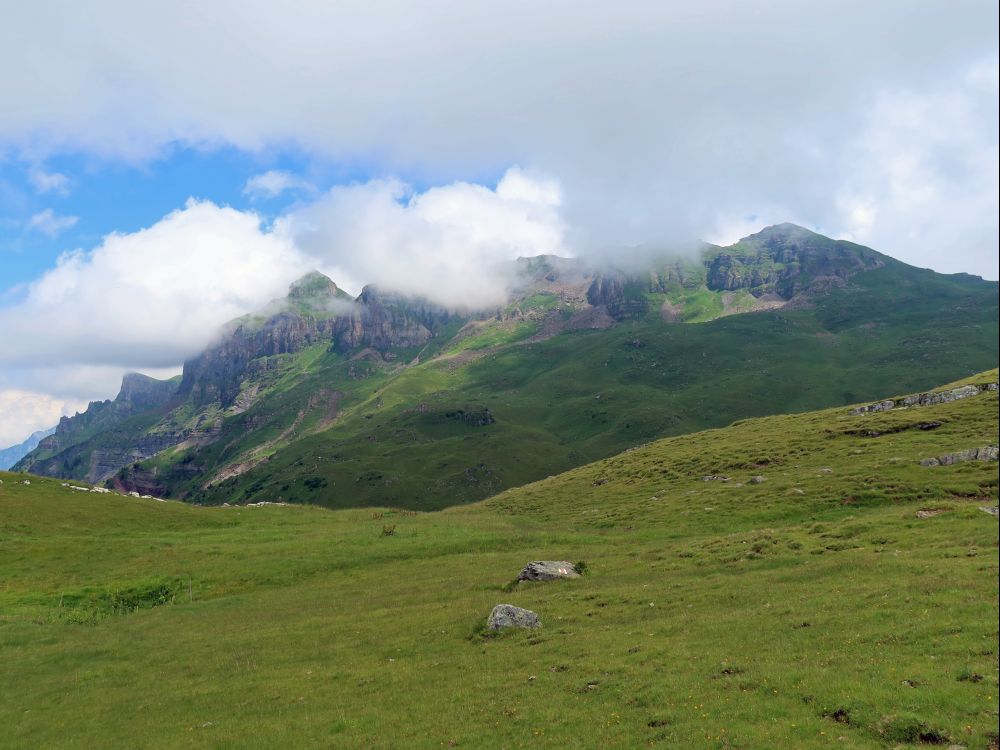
<point>660,120</point>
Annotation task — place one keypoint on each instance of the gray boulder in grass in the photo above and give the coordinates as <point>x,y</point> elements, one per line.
<point>509,616</point>
<point>548,570</point>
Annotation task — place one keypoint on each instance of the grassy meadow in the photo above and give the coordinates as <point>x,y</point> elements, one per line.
<point>846,600</point>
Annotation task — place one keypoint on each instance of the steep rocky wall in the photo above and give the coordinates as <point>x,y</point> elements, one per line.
<point>385,321</point>
<point>217,373</point>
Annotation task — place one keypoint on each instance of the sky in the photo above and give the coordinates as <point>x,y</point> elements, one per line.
<point>167,167</point>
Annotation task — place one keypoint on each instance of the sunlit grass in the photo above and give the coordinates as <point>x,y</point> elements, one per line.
<point>813,609</point>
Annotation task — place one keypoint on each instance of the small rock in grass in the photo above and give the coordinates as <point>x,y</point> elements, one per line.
<point>993,510</point>
<point>757,479</point>
<point>509,616</point>
<point>548,570</point>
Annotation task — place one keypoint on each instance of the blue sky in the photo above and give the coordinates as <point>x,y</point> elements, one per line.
<point>96,196</point>
<point>422,145</point>
<point>106,196</point>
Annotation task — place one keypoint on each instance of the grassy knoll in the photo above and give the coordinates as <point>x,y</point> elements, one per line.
<point>814,609</point>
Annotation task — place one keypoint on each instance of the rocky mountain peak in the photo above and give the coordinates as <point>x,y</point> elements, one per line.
<point>143,392</point>
<point>313,284</point>
<point>787,259</point>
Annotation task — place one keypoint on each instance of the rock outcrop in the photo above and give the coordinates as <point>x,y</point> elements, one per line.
<point>141,392</point>
<point>509,616</point>
<point>986,453</point>
<point>926,399</point>
<point>621,296</point>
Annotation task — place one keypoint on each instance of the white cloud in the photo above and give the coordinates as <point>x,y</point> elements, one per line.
<point>24,412</point>
<point>150,298</point>
<point>49,223</point>
<point>49,182</point>
<point>450,243</point>
<point>924,153</point>
<point>660,119</point>
<point>273,183</point>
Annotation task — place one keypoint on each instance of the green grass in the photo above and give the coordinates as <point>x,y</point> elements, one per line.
<point>496,334</point>
<point>812,610</point>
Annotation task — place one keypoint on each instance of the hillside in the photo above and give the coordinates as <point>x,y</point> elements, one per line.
<point>394,400</point>
<point>789,581</point>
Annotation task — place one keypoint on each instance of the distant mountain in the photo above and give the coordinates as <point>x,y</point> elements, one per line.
<point>393,400</point>
<point>13,454</point>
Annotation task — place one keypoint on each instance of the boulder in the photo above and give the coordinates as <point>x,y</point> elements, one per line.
<point>548,570</point>
<point>509,616</point>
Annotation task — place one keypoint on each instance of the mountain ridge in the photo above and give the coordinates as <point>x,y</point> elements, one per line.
<point>396,376</point>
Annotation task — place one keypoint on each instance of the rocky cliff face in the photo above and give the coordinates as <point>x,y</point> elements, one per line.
<point>217,373</point>
<point>138,393</point>
<point>305,317</point>
<point>785,260</point>
<point>141,392</point>
<point>622,296</point>
<point>75,449</point>
<point>385,321</point>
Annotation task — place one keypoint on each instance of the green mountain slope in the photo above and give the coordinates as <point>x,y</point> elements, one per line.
<point>847,598</point>
<point>395,401</point>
